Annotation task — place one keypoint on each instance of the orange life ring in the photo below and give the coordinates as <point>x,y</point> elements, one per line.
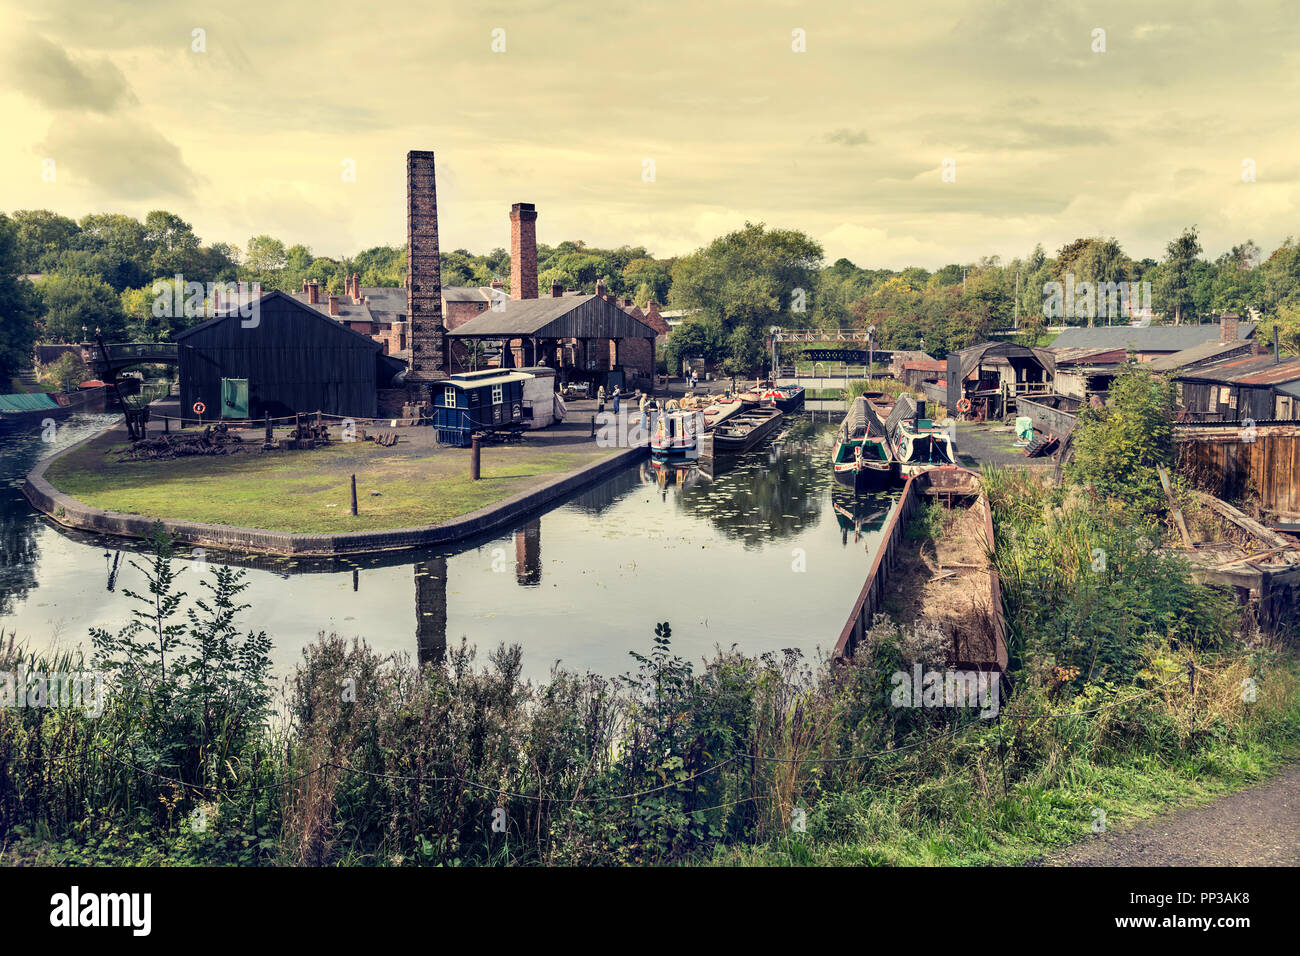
<point>963,405</point>
<point>199,408</point>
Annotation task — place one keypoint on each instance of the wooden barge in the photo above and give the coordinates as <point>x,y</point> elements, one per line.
<point>950,583</point>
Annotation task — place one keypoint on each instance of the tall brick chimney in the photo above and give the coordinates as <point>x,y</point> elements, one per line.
<point>423,271</point>
<point>523,251</point>
<point>313,292</point>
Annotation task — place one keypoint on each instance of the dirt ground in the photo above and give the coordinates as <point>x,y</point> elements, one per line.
<point>1256,827</point>
<point>947,581</point>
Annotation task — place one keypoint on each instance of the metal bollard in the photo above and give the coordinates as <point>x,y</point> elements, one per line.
<point>473,459</point>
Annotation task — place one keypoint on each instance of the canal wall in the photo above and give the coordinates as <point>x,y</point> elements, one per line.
<point>871,599</point>
<point>71,513</point>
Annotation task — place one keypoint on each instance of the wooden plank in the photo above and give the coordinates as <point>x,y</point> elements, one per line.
<point>1242,521</point>
<point>1173,506</point>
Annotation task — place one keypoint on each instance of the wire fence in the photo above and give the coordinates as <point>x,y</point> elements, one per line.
<point>422,779</point>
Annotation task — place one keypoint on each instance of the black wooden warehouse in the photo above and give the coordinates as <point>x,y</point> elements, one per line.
<point>288,356</point>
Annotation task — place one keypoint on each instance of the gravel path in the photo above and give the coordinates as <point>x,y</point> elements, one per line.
<point>1259,826</point>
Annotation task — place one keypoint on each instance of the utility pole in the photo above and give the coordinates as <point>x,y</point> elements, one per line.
<point>1016,320</point>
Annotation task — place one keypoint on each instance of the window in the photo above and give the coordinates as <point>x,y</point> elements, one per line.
<point>496,395</point>
<point>449,397</point>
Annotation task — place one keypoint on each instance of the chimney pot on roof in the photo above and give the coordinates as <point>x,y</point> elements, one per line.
<point>334,304</point>
<point>557,290</point>
<point>600,288</point>
<point>498,284</point>
<point>313,292</point>
<point>304,285</point>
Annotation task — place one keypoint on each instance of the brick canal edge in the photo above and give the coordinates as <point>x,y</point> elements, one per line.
<point>71,513</point>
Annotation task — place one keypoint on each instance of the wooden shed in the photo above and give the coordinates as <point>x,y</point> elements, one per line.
<point>285,358</point>
<point>1257,387</point>
<point>490,400</point>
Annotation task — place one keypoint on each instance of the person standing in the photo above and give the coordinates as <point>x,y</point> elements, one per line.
<point>600,399</point>
<point>617,396</point>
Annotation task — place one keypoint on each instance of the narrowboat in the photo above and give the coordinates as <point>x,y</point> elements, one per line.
<point>745,430</point>
<point>860,459</point>
<point>676,432</point>
<point>915,442</point>
<point>787,397</point>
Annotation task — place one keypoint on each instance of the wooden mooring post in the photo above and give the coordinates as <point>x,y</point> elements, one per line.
<point>354,494</point>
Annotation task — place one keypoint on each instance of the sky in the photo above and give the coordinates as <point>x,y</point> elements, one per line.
<point>894,134</point>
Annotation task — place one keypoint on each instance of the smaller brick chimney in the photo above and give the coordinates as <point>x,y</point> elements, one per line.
<point>304,285</point>
<point>557,290</point>
<point>498,284</point>
<point>1229,324</point>
<point>334,304</point>
<point>600,288</point>
<point>313,292</point>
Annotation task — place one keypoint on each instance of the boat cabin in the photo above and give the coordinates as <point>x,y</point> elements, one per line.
<point>485,401</point>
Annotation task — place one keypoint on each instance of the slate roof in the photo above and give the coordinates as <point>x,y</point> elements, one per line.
<point>1151,338</point>
<point>586,316</point>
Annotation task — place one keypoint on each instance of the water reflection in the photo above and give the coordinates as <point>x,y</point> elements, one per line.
<point>706,545</point>
<point>431,610</point>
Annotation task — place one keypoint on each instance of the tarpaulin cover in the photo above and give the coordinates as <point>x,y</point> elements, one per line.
<point>35,402</point>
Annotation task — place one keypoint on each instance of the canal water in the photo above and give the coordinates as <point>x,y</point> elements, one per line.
<point>764,554</point>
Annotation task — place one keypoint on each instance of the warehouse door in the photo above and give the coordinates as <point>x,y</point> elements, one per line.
<point>234,398</point>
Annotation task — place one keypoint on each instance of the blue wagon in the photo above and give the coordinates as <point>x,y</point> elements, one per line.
<point>490,402</point>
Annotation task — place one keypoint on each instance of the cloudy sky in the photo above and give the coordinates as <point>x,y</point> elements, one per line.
<point>248,126</point>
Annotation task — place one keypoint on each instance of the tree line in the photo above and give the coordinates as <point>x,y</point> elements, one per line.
<point>99,272</point>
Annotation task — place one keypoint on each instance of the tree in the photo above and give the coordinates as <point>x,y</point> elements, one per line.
<point>266,257</point>
<point>1177,273</point>
<point>41,236</point>
<point>65,372</point>
<point>752,278</point>
<point>1118,446</point>
<point>697,337</point>
<point>175,246</point>
<point>18,306</point>
<point>71,302</point>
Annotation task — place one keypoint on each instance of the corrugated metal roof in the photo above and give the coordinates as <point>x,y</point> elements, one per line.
<point>1197,353</point>
<point>1249,370</point>
<point>1090,356</point>
<point>972,356</point>
<point>1151,338</point>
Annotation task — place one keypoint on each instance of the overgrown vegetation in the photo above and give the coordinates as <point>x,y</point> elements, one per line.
<point>1130,688</point>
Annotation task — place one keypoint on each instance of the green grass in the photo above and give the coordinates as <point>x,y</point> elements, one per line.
<point>977,826</point>
<point>309,491</point>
